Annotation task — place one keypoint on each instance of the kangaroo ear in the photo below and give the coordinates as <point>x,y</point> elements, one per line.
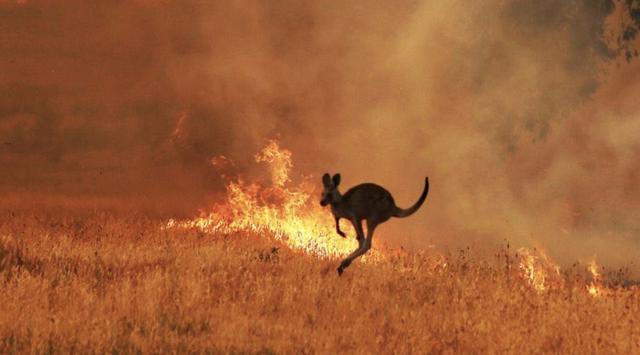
<point>326,179</point>
<point>336,180</point>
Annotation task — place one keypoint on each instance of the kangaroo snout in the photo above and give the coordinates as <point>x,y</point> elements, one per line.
<point>325,198</point>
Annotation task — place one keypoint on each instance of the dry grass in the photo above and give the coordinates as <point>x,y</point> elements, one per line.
<point>100,283</point>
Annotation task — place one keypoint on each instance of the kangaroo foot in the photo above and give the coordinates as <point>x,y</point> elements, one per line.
<point>343,265</point>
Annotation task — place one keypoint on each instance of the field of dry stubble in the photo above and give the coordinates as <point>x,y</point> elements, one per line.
<point>103,283</point>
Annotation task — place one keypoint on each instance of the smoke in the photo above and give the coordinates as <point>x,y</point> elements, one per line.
<point>512,108</point>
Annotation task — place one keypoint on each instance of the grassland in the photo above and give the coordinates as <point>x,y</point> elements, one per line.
<point>106,283</point>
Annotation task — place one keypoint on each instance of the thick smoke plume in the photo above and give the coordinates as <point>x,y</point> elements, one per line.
<point>516,110</point>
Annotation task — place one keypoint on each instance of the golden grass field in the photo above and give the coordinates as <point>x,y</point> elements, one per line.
<point>100,282</point>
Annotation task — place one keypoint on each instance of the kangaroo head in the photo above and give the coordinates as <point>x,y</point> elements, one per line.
<point>330,192</point>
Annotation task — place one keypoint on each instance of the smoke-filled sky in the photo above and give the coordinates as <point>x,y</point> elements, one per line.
<point>518,111</point>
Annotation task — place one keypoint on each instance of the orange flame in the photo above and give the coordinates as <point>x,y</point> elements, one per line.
<point>542,273</point>
<point>595,286</point>
<point>538,269</point>
<point>281,209</point>
<point>280,160</point>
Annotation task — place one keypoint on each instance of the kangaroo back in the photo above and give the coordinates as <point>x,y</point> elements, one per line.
<point>369,200</point>
<point>399,212</point>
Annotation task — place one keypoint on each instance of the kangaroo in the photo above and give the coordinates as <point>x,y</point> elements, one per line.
<point>369,202</point>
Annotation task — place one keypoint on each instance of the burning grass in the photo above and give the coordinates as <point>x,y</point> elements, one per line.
<point>101,283</point>
<point>255,273</point>
<point>278,207</point>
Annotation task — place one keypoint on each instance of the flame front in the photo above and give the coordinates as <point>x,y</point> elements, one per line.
<point>287,212</point>
<point>281,209</point>
<point>595,286</point>
<point>538,269</point>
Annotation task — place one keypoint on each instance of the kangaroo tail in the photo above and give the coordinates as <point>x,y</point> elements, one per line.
<point>399,212</point>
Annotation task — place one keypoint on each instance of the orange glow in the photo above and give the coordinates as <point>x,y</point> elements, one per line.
<point>595,286</point>
<point>538,269</point>
<point>178,129</point>
<point>285,210</point>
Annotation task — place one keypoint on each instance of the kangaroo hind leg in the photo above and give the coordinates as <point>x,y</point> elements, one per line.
<point>371,226</point>
<point>364,244</point>
<point>356,253</point>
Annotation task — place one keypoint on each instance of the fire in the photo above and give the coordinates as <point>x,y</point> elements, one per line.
<point>280,160</point>
<point>538,269</point>
<point>281,209</point>
<point>542,273</point>
<point>595,286</point>
<point>286,211</point>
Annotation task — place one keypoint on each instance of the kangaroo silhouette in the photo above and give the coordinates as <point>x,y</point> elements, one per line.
<point>367,201</point>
